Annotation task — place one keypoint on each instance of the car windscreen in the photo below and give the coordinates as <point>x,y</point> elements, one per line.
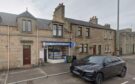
<point>93,59</point>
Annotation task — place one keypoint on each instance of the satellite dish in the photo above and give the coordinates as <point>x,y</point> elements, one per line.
<point>0,19</point>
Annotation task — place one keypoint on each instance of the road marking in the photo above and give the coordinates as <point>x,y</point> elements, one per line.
<point>42,71</point>
<point>125,82</point>
<point>46,76</point>
<point>22,71</point>
<point>57,74</point>
<point>133,78</point>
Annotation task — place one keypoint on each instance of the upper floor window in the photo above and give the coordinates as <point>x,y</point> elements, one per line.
<point>87,32</point>
<point>57,30</point>
<point>27,26</point>
<point>79,32</point>
<point>105,34</point>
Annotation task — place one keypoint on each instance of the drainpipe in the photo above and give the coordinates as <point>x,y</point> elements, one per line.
<point>5,82</point>
<point>37,47</point>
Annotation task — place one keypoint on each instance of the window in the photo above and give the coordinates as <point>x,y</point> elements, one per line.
<point>81,48</point>
<point>54,30</point>
<point>79,31</point>
<point>27,26</point>
<point>105,34</point>
<point>87,32</point>
<point>57,30</point>
<point>110,35</point>
<point>85,48</point>
<point>60,30</point>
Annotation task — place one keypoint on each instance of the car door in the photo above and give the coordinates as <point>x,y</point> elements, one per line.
<point>117,65</point>
<point>108,69</point>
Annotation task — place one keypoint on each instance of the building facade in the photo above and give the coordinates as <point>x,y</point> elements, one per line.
<point>127,42</point>
<point>26,40</point>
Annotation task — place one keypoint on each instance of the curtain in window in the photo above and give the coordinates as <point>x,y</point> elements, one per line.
<point>29,25</point>
<point>23,26</point>
<point>60,31</point>
<point>54,30</point>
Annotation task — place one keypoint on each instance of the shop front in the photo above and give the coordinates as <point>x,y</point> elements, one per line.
<point>55,52</point>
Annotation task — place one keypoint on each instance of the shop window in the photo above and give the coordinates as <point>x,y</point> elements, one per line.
<point>57,52</point>
<point>57,30</point>
<point>27,26</point>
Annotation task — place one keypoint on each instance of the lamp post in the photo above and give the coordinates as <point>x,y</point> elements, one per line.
<point>118,33</point>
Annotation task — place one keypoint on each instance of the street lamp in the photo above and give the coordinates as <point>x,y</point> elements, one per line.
<point>118,33</point>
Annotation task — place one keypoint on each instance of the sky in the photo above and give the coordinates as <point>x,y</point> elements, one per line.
<point>105,10</point>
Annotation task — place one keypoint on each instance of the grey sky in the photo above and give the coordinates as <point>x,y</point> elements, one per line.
<point>105,10</point>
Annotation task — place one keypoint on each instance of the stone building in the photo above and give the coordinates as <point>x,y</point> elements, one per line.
<point>26,40</point>
<point>127,41</point>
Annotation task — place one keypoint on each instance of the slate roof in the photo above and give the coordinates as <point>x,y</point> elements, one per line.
<point>85,23</point>
<point>10,19</point>
<point>43,23</point>
<point>26,14</point>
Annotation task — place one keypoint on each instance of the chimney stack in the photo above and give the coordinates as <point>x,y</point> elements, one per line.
<point>94,20</point>
<point>107,26</point>
<point>59,13</point>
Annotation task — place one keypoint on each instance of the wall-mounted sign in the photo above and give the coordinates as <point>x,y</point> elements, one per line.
<point>52,43</point>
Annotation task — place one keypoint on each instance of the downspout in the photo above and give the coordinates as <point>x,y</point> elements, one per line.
<point>37,47</point>
<point>8,55</point>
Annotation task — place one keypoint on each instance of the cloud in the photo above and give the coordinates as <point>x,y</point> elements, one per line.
<point>105,10</point>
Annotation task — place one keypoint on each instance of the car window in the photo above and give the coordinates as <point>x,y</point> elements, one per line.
<point>115,59</point>
<point>108,60</point>
<point>111,60</point>
<point>96,60</point>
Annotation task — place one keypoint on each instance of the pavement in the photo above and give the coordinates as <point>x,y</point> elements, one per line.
<point>59,74</point>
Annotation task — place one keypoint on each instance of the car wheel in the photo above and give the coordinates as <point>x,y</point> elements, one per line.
<point>99,78</point>
<point>123,72</point>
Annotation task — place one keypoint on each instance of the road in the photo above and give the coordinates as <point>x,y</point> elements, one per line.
<point>59,74</point>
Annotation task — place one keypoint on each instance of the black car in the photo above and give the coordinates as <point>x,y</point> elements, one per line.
<point>98,68</point>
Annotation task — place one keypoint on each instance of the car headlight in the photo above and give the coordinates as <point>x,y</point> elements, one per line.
<point>89,71</point>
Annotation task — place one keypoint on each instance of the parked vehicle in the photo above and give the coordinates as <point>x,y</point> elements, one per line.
<point>98,68</point>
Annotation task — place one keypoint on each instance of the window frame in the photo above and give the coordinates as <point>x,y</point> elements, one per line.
<point>58,30</point>
<point>87,32</point>
<point>25,26</point>
<point>79,31</point>
<point>85,46</point>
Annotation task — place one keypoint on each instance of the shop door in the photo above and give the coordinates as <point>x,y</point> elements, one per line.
<point>45,55</point>
<point>94,50</point>
<point>26,54</point>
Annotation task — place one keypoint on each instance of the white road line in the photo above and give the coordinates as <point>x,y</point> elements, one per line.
<point>42,71</point>
<point>125,82</point>
<point>22,71</point>
<point>46,76</point>
<point>133,78</point>
<point>57,74</point>
<point>27,80</point>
